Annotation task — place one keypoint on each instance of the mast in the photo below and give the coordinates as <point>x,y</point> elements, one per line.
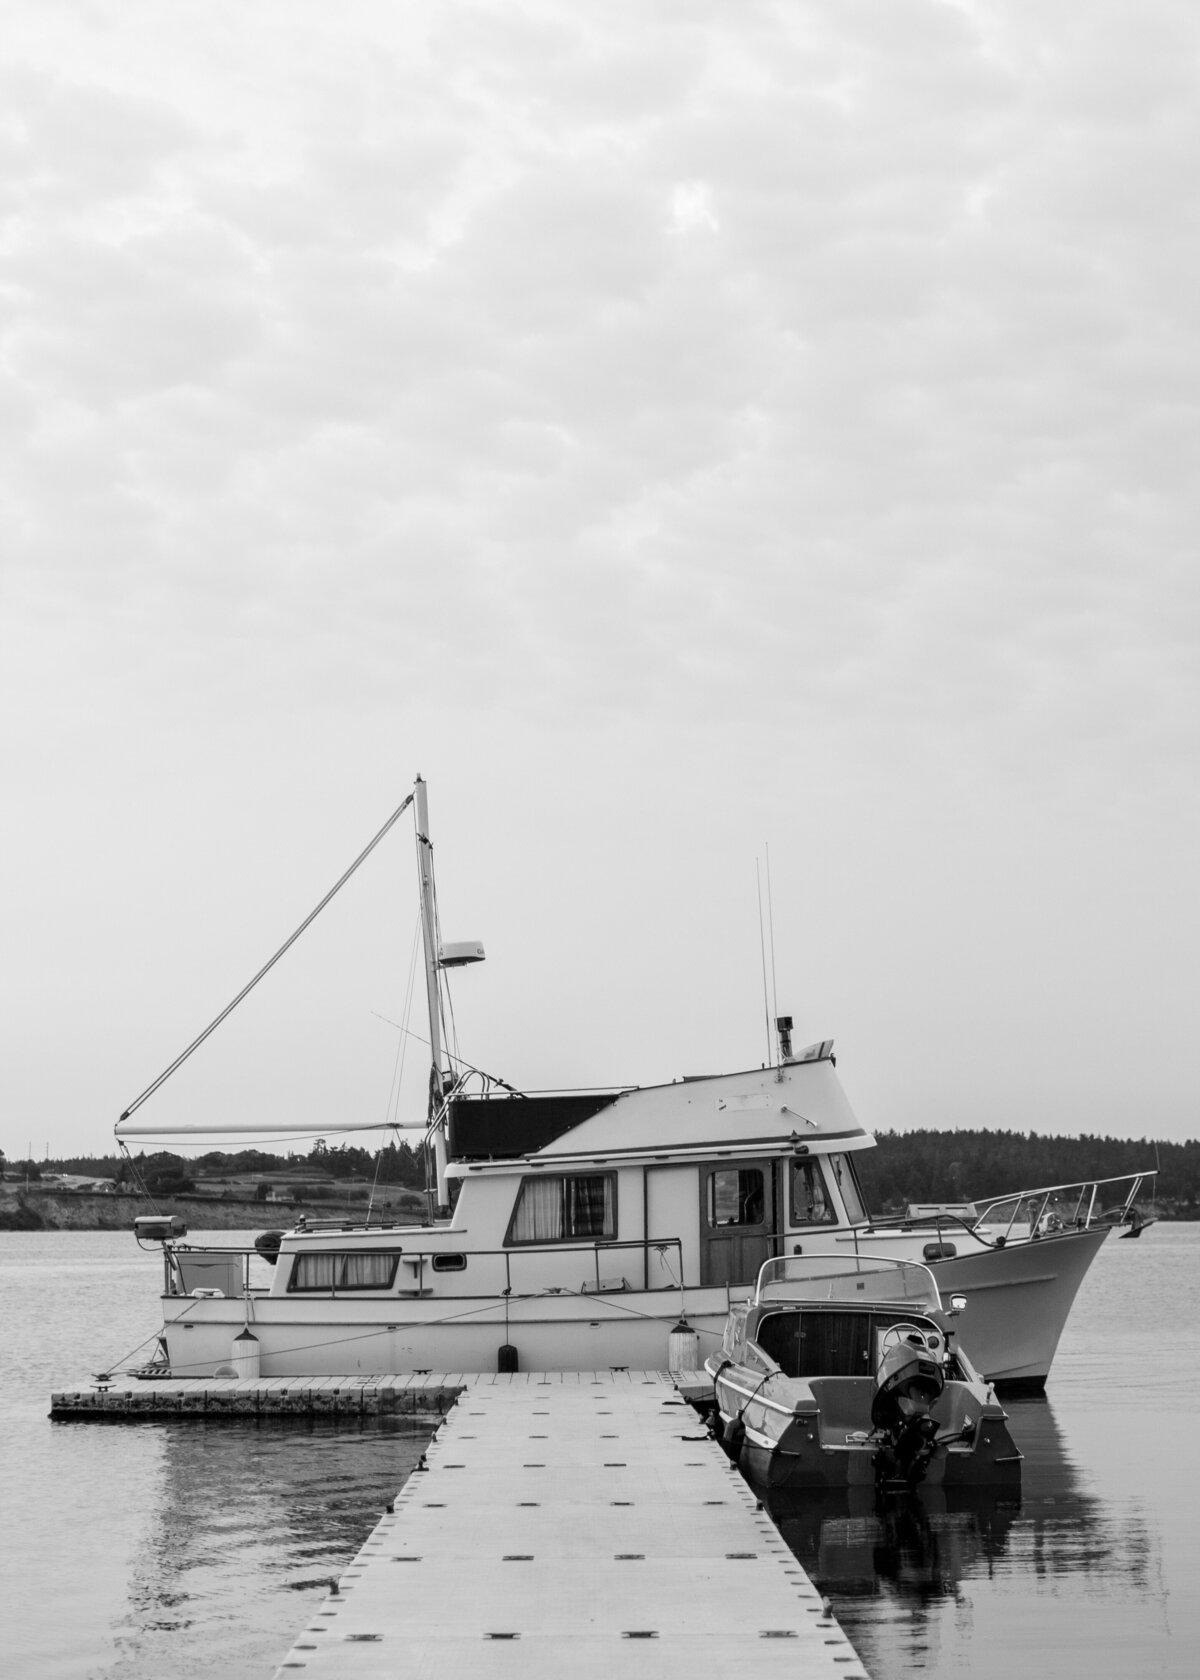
<point>437,1106</point>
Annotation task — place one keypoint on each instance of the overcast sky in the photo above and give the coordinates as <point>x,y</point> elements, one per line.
<point>676,429</point>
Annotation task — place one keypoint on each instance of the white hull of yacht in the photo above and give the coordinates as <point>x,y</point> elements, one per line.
<point>1017,1310</point>
<point>357,1338</point>
<point>1018,1299</point>
<point>1018,1296</point>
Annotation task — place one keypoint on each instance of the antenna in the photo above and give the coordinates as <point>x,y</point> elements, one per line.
<point>762,945</point>
<point>771,930</point>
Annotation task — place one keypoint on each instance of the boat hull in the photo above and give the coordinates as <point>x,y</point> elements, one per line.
<point>1018,1299</point>
<point>1018,1302</point>
<point>358,1338</point>
<point>816,1433</point>
<point>1018,1296</point>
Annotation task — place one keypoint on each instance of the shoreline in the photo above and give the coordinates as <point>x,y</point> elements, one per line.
<point>49,1210</point>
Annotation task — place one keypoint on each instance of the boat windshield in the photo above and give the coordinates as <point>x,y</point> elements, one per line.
<point>844,1277</point>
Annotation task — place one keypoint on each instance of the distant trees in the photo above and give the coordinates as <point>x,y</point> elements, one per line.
<point>917,1166</point>
<point>396,1163</point>
<point>929,1166</point>
<point>165,1174</point>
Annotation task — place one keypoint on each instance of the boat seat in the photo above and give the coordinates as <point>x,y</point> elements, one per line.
<point>604,1286</point>
<point>845,1406</point>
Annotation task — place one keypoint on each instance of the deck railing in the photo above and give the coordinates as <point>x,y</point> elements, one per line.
<point>225,1271</point>
<point>1065,1207</point>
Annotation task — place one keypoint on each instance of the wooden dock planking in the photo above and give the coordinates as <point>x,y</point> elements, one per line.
<point>588,1527</point>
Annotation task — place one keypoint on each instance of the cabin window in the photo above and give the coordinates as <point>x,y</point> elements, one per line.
<point>330,1272</point>
<point>449,1262</point>
<point>811,1204</point>
<point>848,1185</point>
<point>570,1208</point>
<point>736,1196</point>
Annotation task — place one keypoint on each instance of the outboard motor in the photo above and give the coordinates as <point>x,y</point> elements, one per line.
<point>909,1382</point>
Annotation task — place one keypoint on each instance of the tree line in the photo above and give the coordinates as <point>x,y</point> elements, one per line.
<point>165,1173</point>
<point>905,1167</point>
<point>975,1166</point>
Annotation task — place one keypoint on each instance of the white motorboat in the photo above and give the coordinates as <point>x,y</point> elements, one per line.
<point>845,1372</point>
<point>586,1227</point>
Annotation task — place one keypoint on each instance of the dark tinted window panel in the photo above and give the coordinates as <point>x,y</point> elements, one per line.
<point>494,1128</point>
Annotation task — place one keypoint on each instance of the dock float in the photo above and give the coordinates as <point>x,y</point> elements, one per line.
<point>123,1398</point>
<point>419,1394</point>
<point>573,1523</point>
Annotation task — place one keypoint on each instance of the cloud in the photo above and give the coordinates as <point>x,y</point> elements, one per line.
<point>785,421</point>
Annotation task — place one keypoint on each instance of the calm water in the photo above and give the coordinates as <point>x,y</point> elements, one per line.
<point>1098,1567</point>
<point>190,1551</point>
<point>194,1551</point>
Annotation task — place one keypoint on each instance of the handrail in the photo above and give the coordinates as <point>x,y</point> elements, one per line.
<point>1039,1198</point>
<point>420,1255</point>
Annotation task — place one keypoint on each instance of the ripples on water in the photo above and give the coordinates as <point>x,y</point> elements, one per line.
<point>135,1551</point>
<point>1094,1566</point>
<point>251,1522</point>
<point>197,1550</point>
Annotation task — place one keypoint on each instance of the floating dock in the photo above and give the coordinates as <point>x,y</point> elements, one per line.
<point>129,1398</point>
<point>573,1523</point>
<point>420,1394</point>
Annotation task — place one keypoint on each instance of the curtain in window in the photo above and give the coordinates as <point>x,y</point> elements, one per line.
<point>315,1271</point>
<point>367,1271</point>
<point>539,1215</point>
<point>590,1206</point>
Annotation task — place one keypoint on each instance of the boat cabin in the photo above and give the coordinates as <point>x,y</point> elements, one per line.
<point>695,1183</point>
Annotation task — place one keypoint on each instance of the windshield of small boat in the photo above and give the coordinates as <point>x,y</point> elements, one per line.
<point>846,1277</point>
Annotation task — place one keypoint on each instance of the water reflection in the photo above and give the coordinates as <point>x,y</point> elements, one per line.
<point>1065,1527</point>
<point>245,1529</point>
<point>914,1579</point>
<point>915,1546</point>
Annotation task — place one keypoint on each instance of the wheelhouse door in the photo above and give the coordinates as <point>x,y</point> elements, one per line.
<point>739,1220</point>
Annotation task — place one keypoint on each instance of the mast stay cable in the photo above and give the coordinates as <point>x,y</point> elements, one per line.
<point>267,966</point>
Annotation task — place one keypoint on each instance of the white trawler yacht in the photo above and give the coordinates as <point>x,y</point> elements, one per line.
<point>588,1226</point>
